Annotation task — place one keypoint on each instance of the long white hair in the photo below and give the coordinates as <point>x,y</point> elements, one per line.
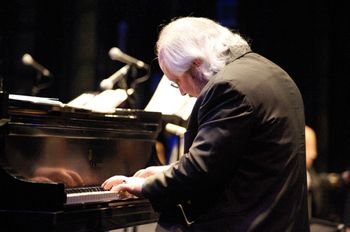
<point>186,39</point>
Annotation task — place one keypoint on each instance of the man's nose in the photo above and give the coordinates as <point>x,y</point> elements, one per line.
<point>183,93</point>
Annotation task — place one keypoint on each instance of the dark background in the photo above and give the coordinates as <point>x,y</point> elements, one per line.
<point>309,39</point>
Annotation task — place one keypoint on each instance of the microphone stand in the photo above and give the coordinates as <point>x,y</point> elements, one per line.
<point>37,87</point>
<point>136,80</point>
<point>122,83</point>
<point>131,99</point>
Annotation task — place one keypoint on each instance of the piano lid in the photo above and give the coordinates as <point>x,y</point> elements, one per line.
<point>47,147</point>
<point>37,117</point>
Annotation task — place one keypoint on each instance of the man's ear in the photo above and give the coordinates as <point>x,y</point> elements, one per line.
<point>197,62</point>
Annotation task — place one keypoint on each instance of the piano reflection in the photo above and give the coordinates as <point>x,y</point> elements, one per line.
<point>54,158</point>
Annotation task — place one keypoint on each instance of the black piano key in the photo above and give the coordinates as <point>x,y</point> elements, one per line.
<point>84,189</point>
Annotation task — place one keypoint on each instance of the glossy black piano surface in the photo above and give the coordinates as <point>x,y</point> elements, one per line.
<point>41,142</point>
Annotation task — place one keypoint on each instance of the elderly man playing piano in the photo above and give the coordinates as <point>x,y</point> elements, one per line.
<point>244,163</point>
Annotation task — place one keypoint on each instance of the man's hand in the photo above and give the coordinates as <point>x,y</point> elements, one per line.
<point>144,173</point>
<point>132,185</point>
<point>113,181</point>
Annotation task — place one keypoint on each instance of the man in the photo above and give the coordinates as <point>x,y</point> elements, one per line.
<point>244,162</point>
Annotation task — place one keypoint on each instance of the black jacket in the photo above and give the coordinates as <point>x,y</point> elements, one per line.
<point>244,162</point>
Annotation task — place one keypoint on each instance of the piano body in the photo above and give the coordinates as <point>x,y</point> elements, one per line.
<point>42,143</point>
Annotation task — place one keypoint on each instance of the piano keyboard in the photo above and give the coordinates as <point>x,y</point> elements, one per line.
<point>89,195</point>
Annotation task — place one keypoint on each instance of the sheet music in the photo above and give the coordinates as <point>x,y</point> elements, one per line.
<point>82,100</point>
<point>106,101</point>
<point>33,99</point>
<point>168,100</point>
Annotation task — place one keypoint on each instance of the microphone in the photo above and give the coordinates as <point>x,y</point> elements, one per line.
<point>28,60</point>
<point>116,54</point>
<point>109,82</point>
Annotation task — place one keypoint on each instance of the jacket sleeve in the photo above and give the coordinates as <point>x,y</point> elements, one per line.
<point>224,118</point>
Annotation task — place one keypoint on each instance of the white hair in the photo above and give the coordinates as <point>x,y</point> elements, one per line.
<point>186,39</point>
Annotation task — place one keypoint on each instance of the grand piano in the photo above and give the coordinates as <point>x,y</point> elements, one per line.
<point>54,158</point>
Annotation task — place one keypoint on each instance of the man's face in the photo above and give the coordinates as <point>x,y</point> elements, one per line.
<point>188,83</point>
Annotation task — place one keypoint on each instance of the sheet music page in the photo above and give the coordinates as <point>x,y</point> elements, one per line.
<point>168,100</point>
<point>106,101</point>
<point>81,100</point>
<point>34,99</point>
